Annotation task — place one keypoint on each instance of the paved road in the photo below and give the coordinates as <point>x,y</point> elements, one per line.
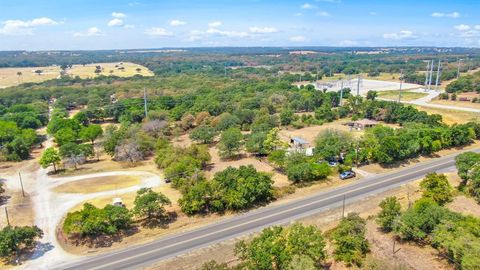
<point>147,254</point>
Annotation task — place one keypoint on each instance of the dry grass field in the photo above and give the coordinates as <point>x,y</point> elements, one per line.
<point>451,116</point>
<point>123,69</point>
<point>11,77</point>
<point>98,184</point>
<point>466,103</point>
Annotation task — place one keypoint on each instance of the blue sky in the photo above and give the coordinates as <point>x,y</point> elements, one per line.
<point>124,24</point>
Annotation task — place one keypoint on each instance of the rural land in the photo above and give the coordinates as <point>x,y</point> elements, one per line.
<point>237,157</point>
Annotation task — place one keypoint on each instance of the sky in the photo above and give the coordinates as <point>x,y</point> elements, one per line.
<point>133,24</point>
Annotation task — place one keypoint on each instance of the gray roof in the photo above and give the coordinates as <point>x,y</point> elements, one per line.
<point>300,140</point>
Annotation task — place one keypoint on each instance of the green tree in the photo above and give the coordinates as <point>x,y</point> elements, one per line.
<point>255,143</point>
<point>150,205</point>
<point>91,133</point>
<point>93,222</point>
<point>389,213</point>
<point>332,143</point>
<point>203,134</point>
<point>65,135</point>
<point>50,157</point>
<point>272,141</point>
<point>420,220</point>
<point>230,142</point>
<point>350,243</point>
<point>277,157</point>
<point>13,239</point>
<point>372,95</point>
<point>437,187</point>
<point>464,162</point>
<point>281,247</point>
<point>286,116</point>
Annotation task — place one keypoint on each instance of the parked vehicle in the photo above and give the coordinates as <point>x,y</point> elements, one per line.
<point>347,175</point>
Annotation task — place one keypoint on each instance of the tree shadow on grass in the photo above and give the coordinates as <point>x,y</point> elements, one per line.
<point>28,254</point>
<point>160,222</point>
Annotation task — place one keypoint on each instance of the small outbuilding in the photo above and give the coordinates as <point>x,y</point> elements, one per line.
<point>117,202</point>
<point>363,124</point>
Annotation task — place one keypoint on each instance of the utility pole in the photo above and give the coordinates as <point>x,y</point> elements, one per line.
<point>431,74</point>
<point>401,84</point>
<point>438,74</point>
<point>426,74</point>
<point>343,208</point>
<point>458,68</point>
<point>21,183</point>
<point>341,94</point>
<point>358,85</point>
<point>6,214</point>
<point>145,101</point>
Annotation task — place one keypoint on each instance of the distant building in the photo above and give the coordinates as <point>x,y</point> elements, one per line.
<point>363,124</point>
<point>301,145</point>
<point>117,202</point>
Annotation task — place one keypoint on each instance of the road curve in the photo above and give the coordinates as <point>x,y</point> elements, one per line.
<point>252,221</point>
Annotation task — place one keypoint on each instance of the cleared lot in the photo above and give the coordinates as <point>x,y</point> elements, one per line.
<point>16,76</point>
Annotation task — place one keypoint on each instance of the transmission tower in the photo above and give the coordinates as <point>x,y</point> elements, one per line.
<point>437,80</point>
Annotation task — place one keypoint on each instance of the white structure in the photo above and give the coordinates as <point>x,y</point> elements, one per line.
<point>117,202</point>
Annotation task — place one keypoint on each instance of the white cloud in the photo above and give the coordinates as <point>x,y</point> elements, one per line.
<point>214,24</point>
<point>115,22</point>
<point>404,34</point>
<point>234,34</point>
<point>19,27</point>
<point>263,30</point>
<point>298,39</point>
<point>177,23</point>
<point>348,43</point>
<point>159,32</point>
<point>467,31</point>
<point>118,15</point>
<point>448,15</point>
<point>298,14</point>
<point>462,27</point>
<point>323,14</point>
<point>92,31</point>
<point>307,6</point>
<point>372,13</point>
<point>129,26</point>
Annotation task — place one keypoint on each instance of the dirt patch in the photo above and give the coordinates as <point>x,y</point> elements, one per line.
<point>311,133</point>
<point>182,141</point>
<point>20,210</point>
<point>410,254</point>
<point>218,165</point>
<point>464,205</point>
<point>98,184</point>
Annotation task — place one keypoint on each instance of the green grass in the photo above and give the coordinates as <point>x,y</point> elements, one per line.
<point>406,96</point>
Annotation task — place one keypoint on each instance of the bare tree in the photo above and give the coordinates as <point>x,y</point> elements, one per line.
<point>74,160</point>
<point>155,128</point>
<point>128,151</point>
